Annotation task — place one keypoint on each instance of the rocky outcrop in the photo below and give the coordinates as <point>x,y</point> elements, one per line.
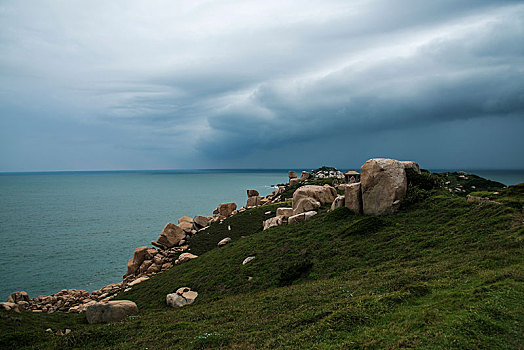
<point>224,241</point>
<point>353,197</point>
<point>294,181</point>
<point>170,236</point>
<point>18,297</point>
<point>321,194</point>
<point>383,185</point>
<point>272,222</point>
<point>254,201</point>
<point>292,174</point>
<point>295,219</point>
<point>111,311</point>
<point>304,176</point>
<point>182,297</point>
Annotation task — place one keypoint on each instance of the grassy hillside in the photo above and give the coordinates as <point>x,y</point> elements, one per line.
<point>442,273</point>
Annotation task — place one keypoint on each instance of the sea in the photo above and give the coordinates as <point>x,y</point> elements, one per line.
<point>63,230</point>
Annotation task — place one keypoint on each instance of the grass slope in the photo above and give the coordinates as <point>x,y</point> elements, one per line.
<point>442,273</point>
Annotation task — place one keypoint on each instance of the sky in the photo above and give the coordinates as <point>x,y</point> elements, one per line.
<point>127,84</point>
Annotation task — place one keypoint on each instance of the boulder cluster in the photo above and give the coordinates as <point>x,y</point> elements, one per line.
<point>378,189</point>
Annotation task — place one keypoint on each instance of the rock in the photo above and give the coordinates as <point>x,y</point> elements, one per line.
<point>171,236</point>
<point>267,212</point>
<point>412,165</point>
<point>139,256</point>
<point>201,221</point>
<point>285,212</point>
<point>182,297</point>
<point>294,181</point>
<point>305,175</point>
<point>145,265</point>
<point>252,193</point>
<point>337,203</point>
<point>158,260</point>
<point>383,186</point>
<point>272,222</point>
<point>167,266</point>
<point>110,311</point>
<point>185,257</point>
<point>224,242</point>
<point>67,331</point>
<point>8,305</point>
<point>154,268</point>
<point>292,174</point>
<point>248,260</point>
<point>138,280</point>
<point>353,198</point>
<point>186,226</point>
<point>253,201</point>
<point>321,194</point>
<point>295,219</point>
<point>305,204</point>
<point>17,297</point>
<point>225,209</point>
<point>49,330</point>
<point>185,219</point>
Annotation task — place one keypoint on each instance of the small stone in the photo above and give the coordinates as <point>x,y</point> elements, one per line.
<point>224,242</point>
<point>49,330</point>
<point>248,260</point>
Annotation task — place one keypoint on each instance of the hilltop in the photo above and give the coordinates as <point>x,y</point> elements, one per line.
<point>445,271</point>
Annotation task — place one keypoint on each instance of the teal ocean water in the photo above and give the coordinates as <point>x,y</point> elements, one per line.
<point>79,229</point>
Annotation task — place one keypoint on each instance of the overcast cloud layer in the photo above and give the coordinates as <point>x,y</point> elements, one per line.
<point>226,84</point>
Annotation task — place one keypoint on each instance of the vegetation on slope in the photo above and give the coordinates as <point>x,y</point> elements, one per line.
<point>442,273</point>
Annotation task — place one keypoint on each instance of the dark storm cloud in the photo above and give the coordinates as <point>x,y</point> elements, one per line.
<point>210,83</point>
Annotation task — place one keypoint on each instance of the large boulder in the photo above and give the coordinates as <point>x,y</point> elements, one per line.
<point>182,297</point>
<point>411,165</point>
<point>170,236</point>
<point>185,257</point>
<point>201,221</point>
<point>110,311</point>
<point>272,222</point>
<point>185,219</point>
<point>253,201</point>
<point>284,212</point>
<point>252,193</point>
<point>305,204</point>
<point>292,174</point>
<point>337,203</point>
<point>140,254</point>
<point>353,197</point>
<point>295,219</point>
<point>383,185</point>
<point>186,226</point>
<point>322,194</point>
<point>226,209</point>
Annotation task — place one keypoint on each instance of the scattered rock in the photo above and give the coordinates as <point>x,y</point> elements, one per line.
<point>383,185</point>
<point>294,181</point>
<point>17,297</point>
<point>111,311</point>
<point>267,213</point>
<point>305,175</point>
<point>183,296</point>
<point>185,257</point>
<point>248,260</point>
<point>295,219</point>
<point>225,210</point>
<point>224,242</point>
<point>201,221</point>
<point>285,212</point>
<point>272,222</point>
<point>185,219</point>
<point>138,280</point>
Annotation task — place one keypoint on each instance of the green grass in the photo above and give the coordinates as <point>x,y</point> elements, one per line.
<point>442,273</point>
